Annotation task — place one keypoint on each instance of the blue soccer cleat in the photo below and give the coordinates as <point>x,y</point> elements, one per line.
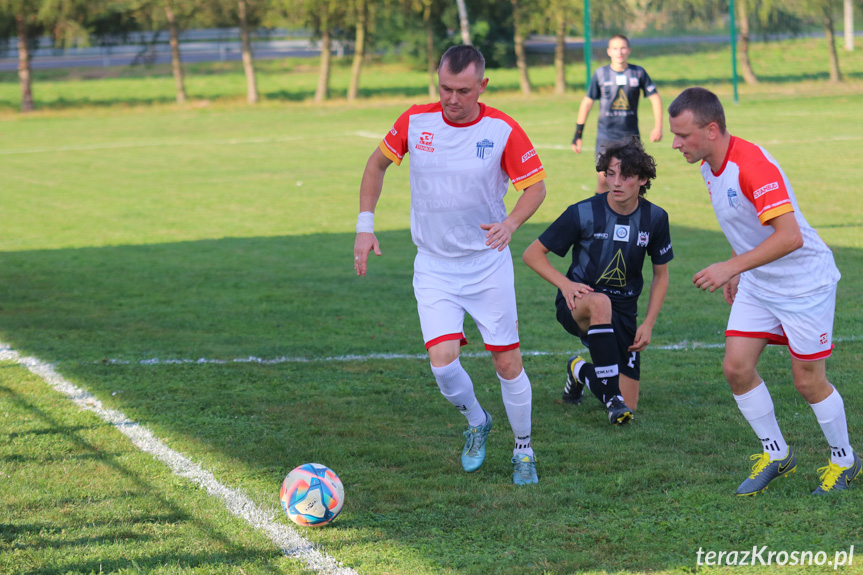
<point>473,454</point>
<point>524,469</point>
<point>764,471</point>
<point>835,478</point>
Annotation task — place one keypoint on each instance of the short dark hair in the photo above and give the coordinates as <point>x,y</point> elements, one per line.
<point>704,105</point>
<point>619,37</point>
<point>634,161</point>
<point>458,58</point>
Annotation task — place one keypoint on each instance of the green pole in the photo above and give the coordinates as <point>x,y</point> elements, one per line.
<point>587,48</point>
<point>733,47</point>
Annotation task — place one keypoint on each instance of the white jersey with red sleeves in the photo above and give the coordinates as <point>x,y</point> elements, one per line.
<point>750,190</point>
<point>459,174</point>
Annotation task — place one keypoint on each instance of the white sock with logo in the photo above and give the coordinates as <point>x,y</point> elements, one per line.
<point>455,385</point>
<point>756,406</point>
<point>517,399</point>
<point>831,417</point>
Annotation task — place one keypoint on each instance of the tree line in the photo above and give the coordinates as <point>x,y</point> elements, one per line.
<point>420,30</point>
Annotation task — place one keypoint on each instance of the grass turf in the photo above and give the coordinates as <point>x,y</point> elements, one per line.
<point>224,232</point>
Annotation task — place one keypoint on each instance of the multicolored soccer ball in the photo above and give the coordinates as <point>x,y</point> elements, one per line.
<point>312,495</point>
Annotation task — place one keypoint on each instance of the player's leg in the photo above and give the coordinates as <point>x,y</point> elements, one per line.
<point>493,307</point>
<point>593,315</point>
<point>844,466</point>
<point>442,321</point>
<point>629,391</point>
<point>750,327</point>
<point>809,326</point>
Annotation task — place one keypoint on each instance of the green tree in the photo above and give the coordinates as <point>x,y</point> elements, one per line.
<point>520,29</point>
<point>62,20</point>
<point>824,12</point>
<point>324,18</point>
<point>247,15</point>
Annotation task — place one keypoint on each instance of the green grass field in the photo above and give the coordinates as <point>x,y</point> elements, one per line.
<point>141,231</point>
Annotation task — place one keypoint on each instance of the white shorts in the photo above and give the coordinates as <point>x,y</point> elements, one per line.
<point>481,285</point>
<point>804,324</point>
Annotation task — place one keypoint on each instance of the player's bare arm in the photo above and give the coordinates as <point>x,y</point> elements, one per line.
<point>658,291</point>
<point>536,258</point>
<point>786,238</point>
<point>581,119</point>
<point>656,104</point>
<point>370,192</point>
<point>498,235</point>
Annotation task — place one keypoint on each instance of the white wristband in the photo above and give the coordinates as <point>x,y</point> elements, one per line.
<point>366,222</point>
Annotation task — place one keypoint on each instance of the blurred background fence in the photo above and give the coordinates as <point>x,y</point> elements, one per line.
<point>511,33</point>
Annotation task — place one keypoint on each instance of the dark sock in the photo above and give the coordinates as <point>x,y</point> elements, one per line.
<point>602,376</point>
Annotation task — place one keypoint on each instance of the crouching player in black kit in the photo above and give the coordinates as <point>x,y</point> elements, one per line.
<point>597,299</point>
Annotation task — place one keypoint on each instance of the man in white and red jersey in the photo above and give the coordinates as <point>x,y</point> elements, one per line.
<point>463,156</point>
<point>780,282</point>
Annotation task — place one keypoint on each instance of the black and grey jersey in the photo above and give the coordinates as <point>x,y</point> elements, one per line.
<point>608,249</point>
<point>618,94</point>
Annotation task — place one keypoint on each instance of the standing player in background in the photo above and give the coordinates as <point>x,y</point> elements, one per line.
<point>617,88</point>
<point>780,282</point>
<point>597,300</point>
<point>463,156</point>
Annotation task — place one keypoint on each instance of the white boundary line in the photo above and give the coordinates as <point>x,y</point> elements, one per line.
<point>681,346</point>
<point>371,356</point>
<point>236,501</point>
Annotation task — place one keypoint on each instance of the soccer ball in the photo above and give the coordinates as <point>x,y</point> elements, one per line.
<point>312,495</point>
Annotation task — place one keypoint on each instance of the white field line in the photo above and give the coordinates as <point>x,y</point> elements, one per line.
<point>238,503</point>
<point>371,356</point>
<point>681,346</point>
<point>544,146</point>
<point>154,144</point>
<point>273,140</point>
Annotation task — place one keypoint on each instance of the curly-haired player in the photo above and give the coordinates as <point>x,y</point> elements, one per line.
<point>597,299</point>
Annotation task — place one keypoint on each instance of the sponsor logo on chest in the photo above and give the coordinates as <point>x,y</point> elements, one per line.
<point>425,143</point>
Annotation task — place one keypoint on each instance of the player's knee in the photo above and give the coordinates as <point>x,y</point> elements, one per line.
<point>508,365</point>
<point>739,374</point>
<point>600,307</point>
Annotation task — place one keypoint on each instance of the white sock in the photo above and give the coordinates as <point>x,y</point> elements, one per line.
<point>831,417</point>
<point>517,399</point>
<point>756,406</point>
<point>455,385</point>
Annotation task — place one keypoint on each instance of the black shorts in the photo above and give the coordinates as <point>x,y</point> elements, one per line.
<point>624,325</point>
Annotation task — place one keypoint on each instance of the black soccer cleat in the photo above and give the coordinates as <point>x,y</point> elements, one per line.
<point>573,391</point>
<point>618,412</point>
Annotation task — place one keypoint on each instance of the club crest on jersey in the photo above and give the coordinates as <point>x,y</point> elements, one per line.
<point>733,200</point>
<point>484,148</point>
<point>425,143</point>
<point>643,238</point>
<point>621,233</point>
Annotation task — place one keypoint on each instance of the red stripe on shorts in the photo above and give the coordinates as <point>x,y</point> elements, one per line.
<point>447,337</point>
<point>814,356</point>
<point>502,347</point>
<point>771,338</point>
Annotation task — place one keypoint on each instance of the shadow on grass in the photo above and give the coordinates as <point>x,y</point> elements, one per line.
<point>119,540</point>
<point>97,313</point>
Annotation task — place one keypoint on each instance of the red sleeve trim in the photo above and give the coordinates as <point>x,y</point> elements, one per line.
<point>447,337</point>
<point>509,347</point>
